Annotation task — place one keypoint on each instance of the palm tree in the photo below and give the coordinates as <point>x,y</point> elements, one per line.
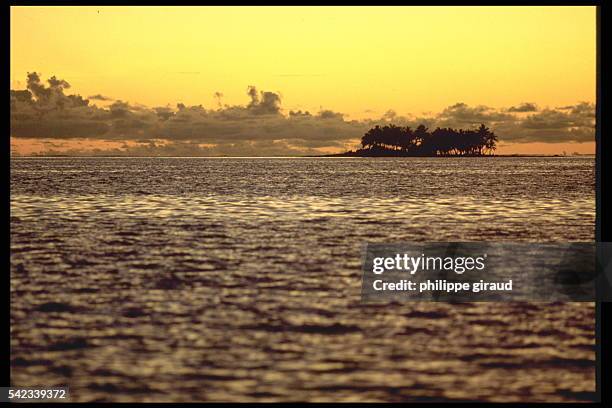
<point>396,140</point>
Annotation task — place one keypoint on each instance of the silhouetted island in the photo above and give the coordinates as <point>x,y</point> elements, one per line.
<point>398,141</point>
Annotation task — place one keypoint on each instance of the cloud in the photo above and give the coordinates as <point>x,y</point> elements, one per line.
<point>524,107</point>
<point>462,114</point>
<point>99,97</point>
<point>576,123</point>
<point>218,97</point>
<point>264,103</point>
<point>328,114</point>
<point>44,110</point>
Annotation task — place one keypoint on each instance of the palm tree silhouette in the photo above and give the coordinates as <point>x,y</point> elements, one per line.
<point>392,140</point>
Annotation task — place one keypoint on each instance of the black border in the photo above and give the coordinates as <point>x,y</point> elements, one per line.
<point>603,227</point>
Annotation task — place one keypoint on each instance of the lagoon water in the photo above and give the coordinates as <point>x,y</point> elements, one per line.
<point>238,279</point>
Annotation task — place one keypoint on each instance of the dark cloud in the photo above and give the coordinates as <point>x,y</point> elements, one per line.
<point>574,124</point>
<point>119,109</point>
<point>260,127</point>
<point>264,103</point>
<point>52,96</point>
<point>524,107</point>
<point>299,113</point>
<point>461,114</point>
<point>219,97</point>
<point>22,96</point>
<point>58,83</point>
<point>99,97</point>
<point>164,113</point>
<point>328,114</point>
<point>37,88</point>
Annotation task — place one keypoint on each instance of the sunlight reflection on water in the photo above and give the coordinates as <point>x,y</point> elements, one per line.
<point>239,279</point>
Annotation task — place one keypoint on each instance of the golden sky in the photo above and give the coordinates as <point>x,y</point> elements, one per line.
<point>361,61</point>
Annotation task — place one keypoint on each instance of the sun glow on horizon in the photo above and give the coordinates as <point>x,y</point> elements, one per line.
<point>360,61</point>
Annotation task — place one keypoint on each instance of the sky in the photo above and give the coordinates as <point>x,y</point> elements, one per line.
<point>297,80</point>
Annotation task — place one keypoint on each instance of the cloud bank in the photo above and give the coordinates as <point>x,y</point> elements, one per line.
<point>45,110</point>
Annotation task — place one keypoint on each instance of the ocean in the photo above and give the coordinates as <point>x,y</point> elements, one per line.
<point>238,279</point>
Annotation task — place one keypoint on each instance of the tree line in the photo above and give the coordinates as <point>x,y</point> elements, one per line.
<point>403,141</point>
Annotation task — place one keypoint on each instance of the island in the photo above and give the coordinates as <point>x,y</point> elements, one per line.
<point>402,141</point>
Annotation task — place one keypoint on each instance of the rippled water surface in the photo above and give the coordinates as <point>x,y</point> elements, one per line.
<point>160,279</point>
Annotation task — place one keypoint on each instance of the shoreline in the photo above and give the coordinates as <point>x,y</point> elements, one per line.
<point>453,157</point>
